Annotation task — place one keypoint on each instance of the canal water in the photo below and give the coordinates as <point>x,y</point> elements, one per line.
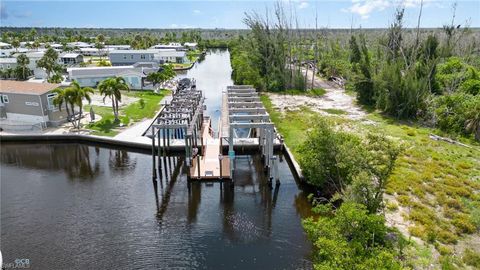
<point>212,74</point>
<point>75,206</point>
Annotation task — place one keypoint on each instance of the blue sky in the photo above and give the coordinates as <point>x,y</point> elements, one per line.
<point>227,14</point>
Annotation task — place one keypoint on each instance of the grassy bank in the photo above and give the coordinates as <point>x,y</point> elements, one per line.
<point>128,114</point>
<point>433,191</point>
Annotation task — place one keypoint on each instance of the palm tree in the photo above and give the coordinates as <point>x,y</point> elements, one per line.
<point>77,95</point>
<point>73,96</point>
<point>22,70</point>
<point>61,98</point>
<point>111,87</point>
<point>15,44</point>
<point>49,62</point>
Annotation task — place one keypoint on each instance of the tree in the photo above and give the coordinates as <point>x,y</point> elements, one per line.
<point>78,94</point>
<point>343,163</point>
<point>62,98</point>
<point>73,96</point>
<point>112,87</point>
<point>351,238</point>
<point>49,62</point>
<point>32,34</point>
<point>22,71</point>
<point>355,55</point>
<point>15,44</point>
<point>165,74</point>
<point>472,124</point>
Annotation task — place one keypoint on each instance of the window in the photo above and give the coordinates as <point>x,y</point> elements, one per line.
<point>131,56</point>
<point>124,57</point>
<point>142,56</point>
<point>50,98</point>
<point>5,99</point>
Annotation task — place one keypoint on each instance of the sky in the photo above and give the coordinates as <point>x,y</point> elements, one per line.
<point>229,14</point>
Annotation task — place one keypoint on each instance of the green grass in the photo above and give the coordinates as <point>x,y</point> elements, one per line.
<point>335,111</point>
<point>316,92</point>
<point>293,126</point>
<point>132,113</point>
<point>436,181</point>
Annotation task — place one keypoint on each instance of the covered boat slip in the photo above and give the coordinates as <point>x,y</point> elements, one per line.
<point>244,123</point>
<point>243,112</point>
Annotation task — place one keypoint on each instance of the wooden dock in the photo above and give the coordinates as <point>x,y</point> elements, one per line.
<point>211,165</point>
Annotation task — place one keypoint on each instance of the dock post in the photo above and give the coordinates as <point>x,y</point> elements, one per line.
<point>231,152</point>
<point>220,157</point>
<point>154,171</point>
<point>277,175</point>
<point>159,162</point>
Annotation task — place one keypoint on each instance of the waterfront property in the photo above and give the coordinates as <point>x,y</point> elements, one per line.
<point>159,56</point>
<point>27,104</point>
<point>134,75</point>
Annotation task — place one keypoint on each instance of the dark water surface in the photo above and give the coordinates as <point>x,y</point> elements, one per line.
<point>72,206</point>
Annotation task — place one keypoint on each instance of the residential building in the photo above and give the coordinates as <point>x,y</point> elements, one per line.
<point>171,45</point>
<point>190,45</point>
<point>118,47</point>
<point>4,45</point>
<point>8,62</point>
<point>28,103</point>
<point>93,51</point>
<point>159,56</point>
<point>134,75</point>
<point>71,59</point>
<point>79,44</point>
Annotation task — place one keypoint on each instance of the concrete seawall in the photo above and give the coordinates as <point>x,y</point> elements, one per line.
<point>142,147</point>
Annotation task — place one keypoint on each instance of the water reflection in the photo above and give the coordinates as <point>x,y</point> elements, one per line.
<point>74,159</point>
<point>119,160</point>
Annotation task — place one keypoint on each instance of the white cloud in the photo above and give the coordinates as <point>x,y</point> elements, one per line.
<point>303,5</point>
<point>196,11</point>
<point>364,8</point>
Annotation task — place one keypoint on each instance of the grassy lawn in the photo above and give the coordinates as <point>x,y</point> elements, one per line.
<point>293,126</point>
<point>129,114</point>
<point>435,184</point>
<point>316,92</point>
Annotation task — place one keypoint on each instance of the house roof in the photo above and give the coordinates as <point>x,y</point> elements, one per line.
<point>17,87</point>
<point>69,55</point>
<point>8,60</point>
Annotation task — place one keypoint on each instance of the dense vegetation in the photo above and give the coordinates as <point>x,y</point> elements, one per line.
<point>427,78</point>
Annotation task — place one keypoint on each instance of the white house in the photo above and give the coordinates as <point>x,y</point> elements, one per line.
<point>8,62</point>
<point>134,75</point>
<point>4,45</point>
<point>171,45</point>
<point>70,59</point>
<point>79,44</point>
<point>190,45</point>
<point>158,56</point>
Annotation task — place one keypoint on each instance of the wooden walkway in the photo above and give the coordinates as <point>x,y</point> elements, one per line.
<point>208,166</point>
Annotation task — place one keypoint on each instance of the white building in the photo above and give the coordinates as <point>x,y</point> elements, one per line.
<point>134,75</point>
<point>8,62</point>
<point>190,45</point>
<point>171,45</point>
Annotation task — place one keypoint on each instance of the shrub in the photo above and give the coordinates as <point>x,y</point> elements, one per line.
<point>471,258</point>
<point>351,238</point>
